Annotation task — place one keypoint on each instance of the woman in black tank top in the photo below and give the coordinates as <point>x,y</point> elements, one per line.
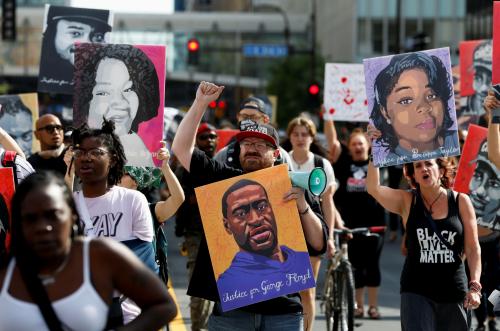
<point>440,230</point>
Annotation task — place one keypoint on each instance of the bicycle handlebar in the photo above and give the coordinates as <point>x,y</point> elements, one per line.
<point>364,231</point>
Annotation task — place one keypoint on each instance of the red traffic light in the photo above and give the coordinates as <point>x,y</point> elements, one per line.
<point>313,89</point>
<point>193,45</point>
<point>221,104</point>
<point>212,104</point>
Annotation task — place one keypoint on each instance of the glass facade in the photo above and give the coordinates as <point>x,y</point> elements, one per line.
<point>382,31</point>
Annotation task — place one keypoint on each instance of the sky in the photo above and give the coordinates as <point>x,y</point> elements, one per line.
<point>128,6</point>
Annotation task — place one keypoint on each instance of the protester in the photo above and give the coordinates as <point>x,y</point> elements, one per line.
<point>22,167</point>
<point>50,134</point>
<point>188,223</point>
<point>351,166</point>
<point>254,109</point>
<point>258,150</point>
<point>58,280</point>
<point>306,154</point>
<point>440,229</point>
<point>107,210</point>
<point>492,107</point>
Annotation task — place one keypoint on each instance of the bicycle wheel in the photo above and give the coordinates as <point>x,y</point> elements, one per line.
<point>329,300</point>
<point>343,319</point>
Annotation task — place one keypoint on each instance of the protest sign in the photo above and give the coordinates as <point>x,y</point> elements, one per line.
<point>345,94</point>
<point>478,177</point>
<point>63,28</point>
<point>255,239</point>
<point>126,84</point>
<point>412,108</point>
<point>18,115</point>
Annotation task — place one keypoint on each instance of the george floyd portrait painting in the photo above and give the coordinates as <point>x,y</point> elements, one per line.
<point>63,28</point>
<point>255,240</point>
<point>412,107</point>
<point>123,83</point>
<point>18,114</point>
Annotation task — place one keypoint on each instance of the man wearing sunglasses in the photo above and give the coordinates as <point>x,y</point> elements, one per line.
<point>50,134</point>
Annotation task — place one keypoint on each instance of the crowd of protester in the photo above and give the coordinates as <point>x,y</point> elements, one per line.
<point>69,196</point>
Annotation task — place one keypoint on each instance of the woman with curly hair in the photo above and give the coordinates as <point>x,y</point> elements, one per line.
<point>119,83</point>
<point>441,230</point>
<point>411,110</point>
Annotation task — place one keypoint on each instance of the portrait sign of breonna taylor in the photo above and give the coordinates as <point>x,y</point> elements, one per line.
<point>256,244</point>
<point>412,108</point>
<point>478,177</point>
<point>63,28</point>
<point>126,84</point>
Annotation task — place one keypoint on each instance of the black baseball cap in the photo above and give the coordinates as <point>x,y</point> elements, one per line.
<point>249,128</point>
<point>255,103</point>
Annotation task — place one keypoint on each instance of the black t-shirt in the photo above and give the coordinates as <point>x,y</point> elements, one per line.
<point>56,164</point>
<point>188,219</point>
<point>352,194</point>
<point>432,269</point>
<point>203,285</point>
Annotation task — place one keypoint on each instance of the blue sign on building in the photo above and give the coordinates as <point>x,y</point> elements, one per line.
<point>264,50</point>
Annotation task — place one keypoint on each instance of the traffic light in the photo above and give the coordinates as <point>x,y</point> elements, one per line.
<point>193,47</point>
<point>313,91</point>
<point>9,20</point>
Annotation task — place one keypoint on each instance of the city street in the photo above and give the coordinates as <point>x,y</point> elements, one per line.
<point>391,265</point>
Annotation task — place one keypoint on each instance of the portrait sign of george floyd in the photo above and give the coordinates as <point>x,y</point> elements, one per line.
<point>256,244</point>
<point>63,28</point>
<point>412,108</point>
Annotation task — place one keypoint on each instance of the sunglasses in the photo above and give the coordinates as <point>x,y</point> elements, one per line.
<point>51,128</point>
<point>207,136</point>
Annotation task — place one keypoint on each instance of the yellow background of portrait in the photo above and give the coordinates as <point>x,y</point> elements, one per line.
<point>221,245</point>
<point>31,101</point>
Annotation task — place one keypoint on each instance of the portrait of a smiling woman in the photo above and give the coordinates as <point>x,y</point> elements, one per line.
<point>117,82</point>
<point>413,110</point>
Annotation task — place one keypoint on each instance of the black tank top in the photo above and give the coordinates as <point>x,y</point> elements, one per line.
<point>431,269</point>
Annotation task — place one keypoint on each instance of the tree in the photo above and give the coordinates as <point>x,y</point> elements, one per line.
<point>290,81</point>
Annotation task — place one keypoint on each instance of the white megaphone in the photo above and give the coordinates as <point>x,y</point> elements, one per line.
<point>314,181</point>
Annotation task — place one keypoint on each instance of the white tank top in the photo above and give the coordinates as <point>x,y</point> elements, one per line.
<point>83,310</point>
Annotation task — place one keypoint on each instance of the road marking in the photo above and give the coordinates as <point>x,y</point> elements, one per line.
<point>177,323</point>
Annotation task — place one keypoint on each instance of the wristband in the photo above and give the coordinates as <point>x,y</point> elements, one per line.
<point>495,116</point>
<point>475,286</point>
<point>304,212</point>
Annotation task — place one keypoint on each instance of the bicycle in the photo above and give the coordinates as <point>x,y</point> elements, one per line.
<point>338,292</point>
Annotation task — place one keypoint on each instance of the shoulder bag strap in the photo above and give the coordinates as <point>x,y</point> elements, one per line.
<point>84,214</point>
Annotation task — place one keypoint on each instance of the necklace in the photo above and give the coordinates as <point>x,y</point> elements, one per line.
<point>433,202</point>
<point>51,278</point>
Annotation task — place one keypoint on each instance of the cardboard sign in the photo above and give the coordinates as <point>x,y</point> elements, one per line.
<point>495,79</point>
<point>475,76</point>
<point>126,84</point>
<point>345,95</point>
<point>412,107</point>
<point>225,137</point>
<point>64,27</point>
<point>479,178</point>
<point>18,115</point>
<point>255,240</point>
<point>6,193</point>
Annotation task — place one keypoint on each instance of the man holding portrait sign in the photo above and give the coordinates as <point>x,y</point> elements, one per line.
<point>258,150</point>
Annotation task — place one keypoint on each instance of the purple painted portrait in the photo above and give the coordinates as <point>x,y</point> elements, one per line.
<point>412,108</point>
